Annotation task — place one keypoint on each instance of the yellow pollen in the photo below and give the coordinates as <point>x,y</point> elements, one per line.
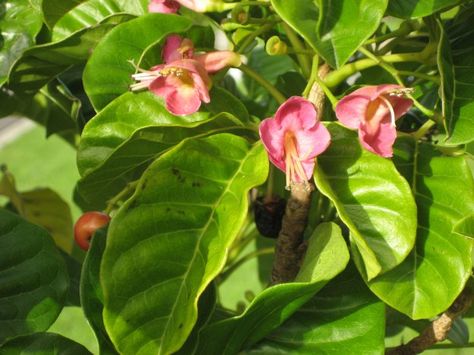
<point>294,168</point>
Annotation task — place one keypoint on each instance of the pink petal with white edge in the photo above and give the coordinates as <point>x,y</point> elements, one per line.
<point>295,114</point>
<point>381,142</point>
<point>217,60</point>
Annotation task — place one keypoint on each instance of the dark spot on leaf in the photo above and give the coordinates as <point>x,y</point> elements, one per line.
<point>181,212</point>
<point>180,325</point>
<point>175,171</point>
<point>132,205</point>
<point>168,209</point>
<point>196,184</point>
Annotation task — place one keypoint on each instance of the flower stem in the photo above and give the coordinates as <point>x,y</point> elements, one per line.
<point>251,37</point>
<point>113,202</point>
<point>299,47</point>
<point>277,95</point>
<point>338,76</point>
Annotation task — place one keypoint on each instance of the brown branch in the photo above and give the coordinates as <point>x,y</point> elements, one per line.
<point>290,246</point>
<point>438,329</point>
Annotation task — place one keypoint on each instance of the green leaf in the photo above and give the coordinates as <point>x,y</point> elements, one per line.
<point>92,12</point>
<point>337,28</point>
<point>371,198</point>
<point>465,226</point>
<point>20,22</point>
<point>33,278</point>
<point>43,344</point>
<point>53,10</point>
<point>169,241</point>
<point>128,161</point>
<point>344,316</point>
<point>206,308</point>
<point>39,64</point>
<point>326,256</point>
<point>117,122</point>
<point>43,207</point>
<point>434,273</point>
<point>456,66</point>
<point>92,298</point>
<point>419,8</point>
<point>107,73</point>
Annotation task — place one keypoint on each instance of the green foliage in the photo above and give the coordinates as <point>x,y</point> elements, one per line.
<point>188,194</point>
<point>200,225</point>
<point>276,304</point>
<point>436,270</point>
<point>33,278</point>
<point>382,218</point>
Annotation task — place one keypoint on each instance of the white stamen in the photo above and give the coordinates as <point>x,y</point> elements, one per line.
<point>390,108</point>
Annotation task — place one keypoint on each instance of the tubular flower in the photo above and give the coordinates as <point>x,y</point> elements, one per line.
<point>163,6</point>
<point>183,79</point>
<point>293,138</point>
<point>373,111</point>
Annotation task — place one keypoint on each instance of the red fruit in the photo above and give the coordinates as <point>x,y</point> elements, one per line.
<point>86,226</point>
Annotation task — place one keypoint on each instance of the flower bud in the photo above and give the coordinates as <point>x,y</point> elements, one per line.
<point>275,46</point>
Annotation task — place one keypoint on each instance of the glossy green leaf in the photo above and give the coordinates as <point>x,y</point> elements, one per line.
<point>43,207</point>
<point>20,22</point>
<point>108,72</point>
<point>53,10</point>
<point>43,344</point>
<point>206,308</point>
<point>344,317</point>
<point>169,240</point>
<point>465,226</point>
<point>117,122</point>
<point>335,29</point>
<point>92,12</point>
<point>39,64</point>
<point>92,298</point>
<point>435,272</point>
<point>33,278</point>
<point>133,156</point>
<point>456,66</point>
<point>419,8</point>
<point>371,198</point>
<point>326,256</point>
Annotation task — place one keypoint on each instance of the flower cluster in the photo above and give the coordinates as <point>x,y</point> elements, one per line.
<point>294,137</point>
<point>172,6</point>
<point>183,78</point>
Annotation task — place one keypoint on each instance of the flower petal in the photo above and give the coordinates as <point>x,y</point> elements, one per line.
<point>381,141</point>
<point>183,101</point>
<point>163,6</point>
<point>171,49</point>
<point>273,138</point>
<point>351,109</point>
<point>215,61</point>
<point>296,113</point>
<point>312,142</point>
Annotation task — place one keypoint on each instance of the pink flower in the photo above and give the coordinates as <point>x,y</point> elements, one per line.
<point>206,5</point>
<point>183,79</point>
<point>293,138</point>
<point>373,111</point>
<point>163,6</point>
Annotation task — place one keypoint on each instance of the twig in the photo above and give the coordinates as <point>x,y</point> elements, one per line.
<point>290,246</point>
<point>438,329</point>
